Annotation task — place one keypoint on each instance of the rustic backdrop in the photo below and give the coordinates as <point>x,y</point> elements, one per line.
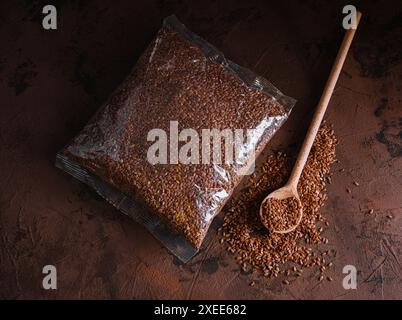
<point>51,82</point>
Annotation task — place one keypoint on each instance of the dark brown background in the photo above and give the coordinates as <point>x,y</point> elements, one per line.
<point>51,82</point>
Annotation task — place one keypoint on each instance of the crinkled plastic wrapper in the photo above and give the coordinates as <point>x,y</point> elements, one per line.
<point>182,79</point>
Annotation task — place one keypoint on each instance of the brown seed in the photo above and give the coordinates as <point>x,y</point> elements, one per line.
<point>371,211</point>
<point>330,279</point>
<point>281,214</point>
<point>321,278</point>
<point>252,284</point>
<point>270,253</point>
<point>285,282</point>
<point>173,191</point>
<point>348,190</point>
<point>355,183</point>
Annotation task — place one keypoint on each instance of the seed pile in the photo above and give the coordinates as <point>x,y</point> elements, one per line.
<point>174,80</point>
<point>281,214</point>
<point>273,254</point>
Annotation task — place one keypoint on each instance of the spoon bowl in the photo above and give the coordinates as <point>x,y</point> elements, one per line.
<point>281,194</point>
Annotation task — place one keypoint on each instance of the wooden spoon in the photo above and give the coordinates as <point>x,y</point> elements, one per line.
<point>290,188</point>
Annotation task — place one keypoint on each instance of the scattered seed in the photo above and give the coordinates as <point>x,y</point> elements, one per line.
<point>330,279</point>
<point>269,253</point>
<point>355,183</point>
<point>285,282</point>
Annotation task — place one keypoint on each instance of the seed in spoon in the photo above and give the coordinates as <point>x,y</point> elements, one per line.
<point>280,214</point>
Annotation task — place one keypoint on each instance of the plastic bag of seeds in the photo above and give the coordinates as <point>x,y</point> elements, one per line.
<point>174,140</point>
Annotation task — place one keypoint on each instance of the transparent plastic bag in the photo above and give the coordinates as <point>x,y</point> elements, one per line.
<point>182,80</point>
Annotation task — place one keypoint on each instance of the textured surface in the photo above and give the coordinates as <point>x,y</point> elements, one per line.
<point>51,82</point>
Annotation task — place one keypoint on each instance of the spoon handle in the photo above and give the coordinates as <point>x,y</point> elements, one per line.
<point>322,106</point>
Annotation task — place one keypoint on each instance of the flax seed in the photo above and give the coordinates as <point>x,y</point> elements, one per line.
<point>270,252</point>
<point>176,78</point>
<point>281,214</point>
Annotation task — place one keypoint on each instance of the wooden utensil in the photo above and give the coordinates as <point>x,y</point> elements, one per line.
<point>290,188</point>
